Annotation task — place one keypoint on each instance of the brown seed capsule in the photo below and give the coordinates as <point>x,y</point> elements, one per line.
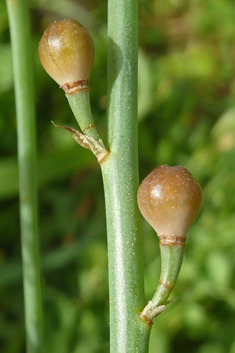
<point>66,52</point>
<point>170,198</point>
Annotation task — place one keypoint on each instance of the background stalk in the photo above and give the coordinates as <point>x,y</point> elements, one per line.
<point>20,38</point>
<point>128,333</point>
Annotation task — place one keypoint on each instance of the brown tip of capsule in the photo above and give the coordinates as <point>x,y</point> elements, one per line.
<point>171,240</point>
<point>71,87</point>
<point>170,199</point>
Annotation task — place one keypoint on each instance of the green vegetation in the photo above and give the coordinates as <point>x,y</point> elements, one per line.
<point>186,117</point>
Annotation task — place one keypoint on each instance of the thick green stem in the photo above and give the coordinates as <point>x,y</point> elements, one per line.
<point>20,38</point>
<point>128,333</point>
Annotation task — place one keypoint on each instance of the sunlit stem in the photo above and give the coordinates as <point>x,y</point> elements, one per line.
<point>128,333</point>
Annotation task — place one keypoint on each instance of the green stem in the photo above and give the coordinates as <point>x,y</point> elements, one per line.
<point>20,38</point>
<point>128,333</point>
<point>79,102</point>
<point>171,261</point>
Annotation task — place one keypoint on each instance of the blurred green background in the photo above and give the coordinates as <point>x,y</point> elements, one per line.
<point>186,117</point>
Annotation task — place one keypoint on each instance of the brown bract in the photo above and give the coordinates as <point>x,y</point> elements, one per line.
<point>170,198</point>
<point>66,52</point>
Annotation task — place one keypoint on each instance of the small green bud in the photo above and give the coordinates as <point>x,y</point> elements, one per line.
<point>66,52</point>
<point>170,198</point>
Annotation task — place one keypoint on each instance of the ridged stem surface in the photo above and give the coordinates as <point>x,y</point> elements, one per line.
<point>128,333</point>
<point>21,49</point>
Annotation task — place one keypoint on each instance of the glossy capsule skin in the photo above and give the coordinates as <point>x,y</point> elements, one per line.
<point>66,52</point>
<point>170,198</point>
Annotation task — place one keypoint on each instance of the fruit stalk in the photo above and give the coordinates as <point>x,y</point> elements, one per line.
<point>170,199</point>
